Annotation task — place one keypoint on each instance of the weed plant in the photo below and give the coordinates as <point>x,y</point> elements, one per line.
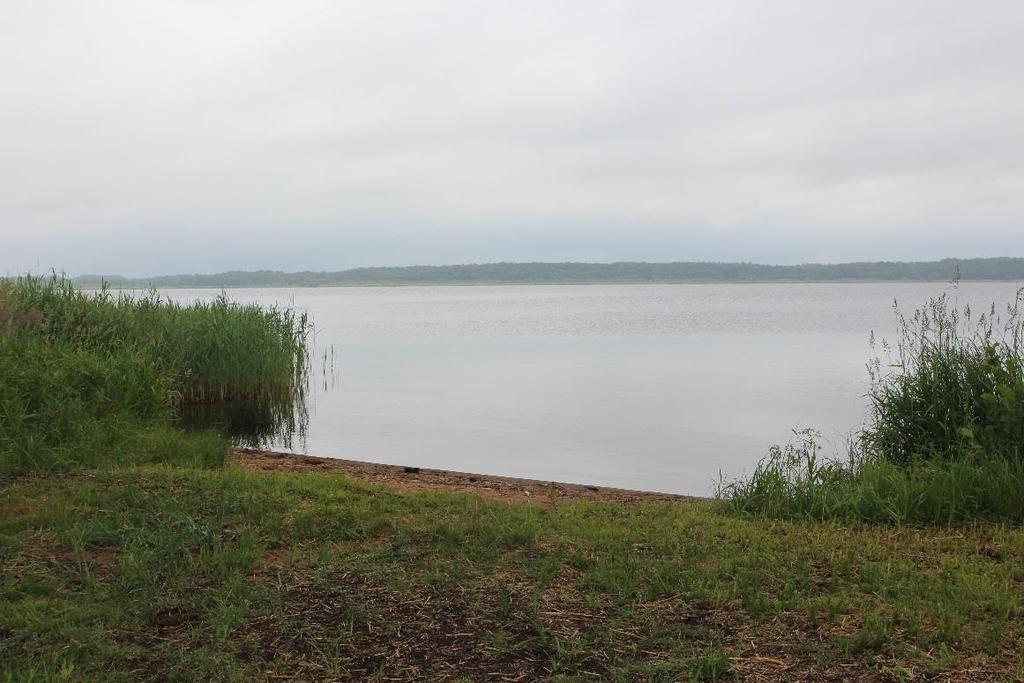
<point>953,388</point>
<point>944,438</point>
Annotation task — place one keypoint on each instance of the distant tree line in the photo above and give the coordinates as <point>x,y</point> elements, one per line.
<point>1001,268</point>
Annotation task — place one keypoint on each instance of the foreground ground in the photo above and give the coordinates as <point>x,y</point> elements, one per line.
<point>245,574</point>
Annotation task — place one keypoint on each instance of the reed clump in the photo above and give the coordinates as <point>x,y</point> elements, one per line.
<point>93,378</point>
<point>944,440</point>
<point>215,350</point>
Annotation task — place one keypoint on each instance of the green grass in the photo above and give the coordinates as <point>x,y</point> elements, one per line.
<point>181,574</point>
<point>796,482</point>
<point>93,379</point>
<point>64,408</point>
<point>213,351</point>
<point>953,387</point>
<point>944,443</point>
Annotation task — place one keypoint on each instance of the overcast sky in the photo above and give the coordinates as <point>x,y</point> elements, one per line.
<point>146,138</point>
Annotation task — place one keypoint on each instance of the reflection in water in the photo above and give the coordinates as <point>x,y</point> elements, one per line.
<point>252,424</point>
<point>269,422</point>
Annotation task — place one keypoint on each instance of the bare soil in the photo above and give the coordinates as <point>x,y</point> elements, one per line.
<point>412,479</point>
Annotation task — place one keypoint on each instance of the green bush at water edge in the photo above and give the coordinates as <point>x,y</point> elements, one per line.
<point>944,440</point>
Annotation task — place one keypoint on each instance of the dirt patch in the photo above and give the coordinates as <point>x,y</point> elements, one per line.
<point>170,625</point>
<point>414,479</point>
<point>352,627</point>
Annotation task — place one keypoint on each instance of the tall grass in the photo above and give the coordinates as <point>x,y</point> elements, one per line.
<point>798,481</point>
<point>90,379</point>
<point>63,408</point>
<point>953,387</point>
<point>945,437</point>
<point>215,350</point>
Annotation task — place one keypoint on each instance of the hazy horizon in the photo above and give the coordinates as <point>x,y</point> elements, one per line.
<point>145,139</point>
<point>417,265</point>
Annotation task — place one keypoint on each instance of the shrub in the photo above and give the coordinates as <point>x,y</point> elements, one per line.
<point>943,442</point>
<point>954,388</point>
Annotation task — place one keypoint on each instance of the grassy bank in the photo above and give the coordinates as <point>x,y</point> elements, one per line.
<point>159,573</point>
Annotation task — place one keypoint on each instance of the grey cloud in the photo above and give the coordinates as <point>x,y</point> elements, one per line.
<point>143,137</point>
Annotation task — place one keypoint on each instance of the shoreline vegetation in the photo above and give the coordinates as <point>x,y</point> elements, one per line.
<point>133,549</point>
<point>975,269</point>
<point>88,379</point>
<point>944,441</point>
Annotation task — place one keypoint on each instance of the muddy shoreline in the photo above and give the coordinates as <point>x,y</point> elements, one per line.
<point>411,479</point>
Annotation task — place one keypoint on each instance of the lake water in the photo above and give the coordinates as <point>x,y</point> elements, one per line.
<point>657,387</point>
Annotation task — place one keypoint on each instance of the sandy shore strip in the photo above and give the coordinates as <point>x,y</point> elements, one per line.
<point>404,478</point>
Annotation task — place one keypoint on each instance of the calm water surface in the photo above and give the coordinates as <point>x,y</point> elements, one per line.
<point>658,387</point>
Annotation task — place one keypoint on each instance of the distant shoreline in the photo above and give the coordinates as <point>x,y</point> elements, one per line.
<point>997,269</point>
<point>399,285</point>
